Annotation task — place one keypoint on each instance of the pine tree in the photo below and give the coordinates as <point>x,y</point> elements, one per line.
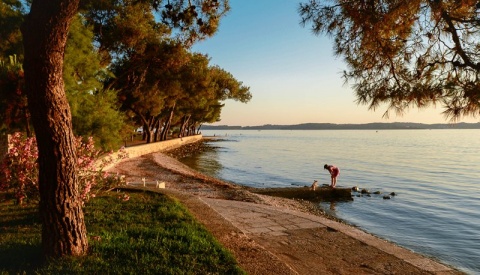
<point>406,53</point>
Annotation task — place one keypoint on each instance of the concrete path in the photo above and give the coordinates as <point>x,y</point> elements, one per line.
<point>257,221</point>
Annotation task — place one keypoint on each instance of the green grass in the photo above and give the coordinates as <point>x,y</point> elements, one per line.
<point>148,234</point>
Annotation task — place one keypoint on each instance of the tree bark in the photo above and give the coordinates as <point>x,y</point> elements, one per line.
<point>148,128</point>
<point>167,124</point>
<point>45,33</point>
<point>183,126</point>
<point>158,123</point>
<point>198,129</point>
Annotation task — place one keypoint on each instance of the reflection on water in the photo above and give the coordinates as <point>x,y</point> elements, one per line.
<point>207,162</point>
<point>332,206</point>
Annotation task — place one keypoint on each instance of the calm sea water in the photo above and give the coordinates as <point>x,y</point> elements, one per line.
<point>435,174</point>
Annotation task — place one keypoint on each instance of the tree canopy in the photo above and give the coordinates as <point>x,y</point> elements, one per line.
<point>45,32</point>
<point>95,110</point>
<point>11,17</point>
<point>14,115</point>
<point>131,38</point>
<point>123,27</point>
<point>168,85</point>
<point>405,53</point>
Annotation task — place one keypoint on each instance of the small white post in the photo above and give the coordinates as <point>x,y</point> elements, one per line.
<point>143,179</point>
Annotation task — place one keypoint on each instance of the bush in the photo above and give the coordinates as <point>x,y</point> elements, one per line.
<point>20,167</point>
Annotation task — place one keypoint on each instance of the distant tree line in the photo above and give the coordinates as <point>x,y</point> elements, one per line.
<point>123,69</point>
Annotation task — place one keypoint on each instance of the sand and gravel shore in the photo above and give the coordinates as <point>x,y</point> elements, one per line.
<point>325,247</point>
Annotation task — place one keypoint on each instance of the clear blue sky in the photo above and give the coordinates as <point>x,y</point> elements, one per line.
<point>292,74</point>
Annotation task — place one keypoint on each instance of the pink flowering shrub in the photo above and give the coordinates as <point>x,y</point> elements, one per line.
<point>20,169</point>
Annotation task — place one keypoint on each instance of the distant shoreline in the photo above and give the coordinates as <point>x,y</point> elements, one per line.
<point>332,126</point>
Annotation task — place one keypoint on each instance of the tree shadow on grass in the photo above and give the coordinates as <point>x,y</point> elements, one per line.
<point>20,258</point>
<point>20,248</point>
<point>15,221</point>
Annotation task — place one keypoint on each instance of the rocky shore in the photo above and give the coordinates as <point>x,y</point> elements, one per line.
<point>306,251</point>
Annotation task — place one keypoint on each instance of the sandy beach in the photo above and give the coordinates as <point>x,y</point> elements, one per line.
<point>327,247</point>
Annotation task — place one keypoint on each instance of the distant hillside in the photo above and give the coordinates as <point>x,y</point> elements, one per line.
<point>331,126</point>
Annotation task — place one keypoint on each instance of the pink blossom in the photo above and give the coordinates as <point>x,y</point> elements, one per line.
<point>20,167</point>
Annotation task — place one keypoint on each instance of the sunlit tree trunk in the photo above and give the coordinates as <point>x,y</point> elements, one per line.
<point>45,33</point>
<point>167,124</point>
<point>183,126</point>
<point>158,130</point>
<point>148,129</point>
<point>198,129</point>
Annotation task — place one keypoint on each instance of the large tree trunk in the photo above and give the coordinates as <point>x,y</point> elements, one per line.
<point>199,127</point>
<point>167,124</point>
<point>158,131</point>
<point>148,128</point>
<point>44,34</point>
<point>183,126</point>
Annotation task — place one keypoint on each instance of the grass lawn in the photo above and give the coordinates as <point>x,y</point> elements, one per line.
<point>147,234</point>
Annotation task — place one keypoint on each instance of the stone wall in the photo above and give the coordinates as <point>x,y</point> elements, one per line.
<point>161,146</point>
<point>133,151</point>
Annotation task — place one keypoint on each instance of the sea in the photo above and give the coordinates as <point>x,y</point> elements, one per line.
<point>435,175</point>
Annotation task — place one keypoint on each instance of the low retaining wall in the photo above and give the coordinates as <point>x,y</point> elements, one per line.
<point>161,146</point>
<point>140,150</point>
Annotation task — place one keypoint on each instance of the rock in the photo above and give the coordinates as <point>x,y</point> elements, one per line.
<point>319,194</point>
<point>365,191</point>
<point>377,192</point>
<point>355,189</point>
<point>387,197</point>
<point>393,194</point>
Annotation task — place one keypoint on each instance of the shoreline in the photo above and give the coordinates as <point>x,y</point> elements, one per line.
<point>188,149</point>
<point>187,184</point>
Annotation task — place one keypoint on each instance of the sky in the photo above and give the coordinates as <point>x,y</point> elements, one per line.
<point>293,74</point>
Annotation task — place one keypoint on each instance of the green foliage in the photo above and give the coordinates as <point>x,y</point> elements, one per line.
<point>83,70</point>
<point>227,87</point>
<point>11,18</point>
<point>13,101</point>
<point>95,114</point>
<point>94,110</point>
<point>122,28</point>
<point>406,53</point>
<point>147,234</point>
<point>170,78</point>
<point>21,175</point>
<point>168,84</point>
<point>205,88</point>
<point>125,26</point>
<point>143,56</point>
